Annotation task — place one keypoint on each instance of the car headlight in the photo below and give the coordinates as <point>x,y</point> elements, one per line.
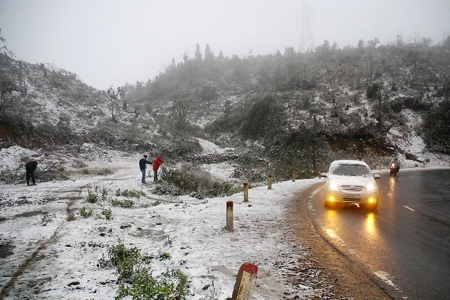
<point>370,187</point>
<point>333,186</point>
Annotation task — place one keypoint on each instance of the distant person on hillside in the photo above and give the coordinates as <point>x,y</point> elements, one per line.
<point>30,167</point>
<point>158,161</point>
<point>143,162</point>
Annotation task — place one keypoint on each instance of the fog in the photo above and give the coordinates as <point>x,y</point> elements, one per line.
<point>112,42</point>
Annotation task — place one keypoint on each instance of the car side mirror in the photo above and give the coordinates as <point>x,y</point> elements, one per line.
<point>376,176</point>
<point>323,174</point>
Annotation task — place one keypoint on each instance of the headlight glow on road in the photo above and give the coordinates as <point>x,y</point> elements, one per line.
<point>370,224</point>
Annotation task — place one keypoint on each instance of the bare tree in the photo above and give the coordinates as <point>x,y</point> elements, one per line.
<point>179,116</point>
<point>114,96</point>
<point>372,45</point>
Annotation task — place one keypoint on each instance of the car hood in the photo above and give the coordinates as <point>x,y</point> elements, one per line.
<point>351,180</point>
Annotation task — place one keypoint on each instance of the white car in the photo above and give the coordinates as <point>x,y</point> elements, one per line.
<point>351,182</point>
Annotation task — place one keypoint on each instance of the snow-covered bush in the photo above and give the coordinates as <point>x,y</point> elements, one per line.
<point>191,179</point>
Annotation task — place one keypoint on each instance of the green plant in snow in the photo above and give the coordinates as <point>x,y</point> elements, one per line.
<point>92,197</point>
<point>164,256</point>
<point>85,212</point>
<point>104,194</point>
<point>107,213</point>
<point>129,193</point>
<point>124,260</point>
<point>172,284</point>
<point>122,203</point>
<point>138,282</point>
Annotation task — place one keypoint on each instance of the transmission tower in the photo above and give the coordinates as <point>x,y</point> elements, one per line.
<point>306,40</point>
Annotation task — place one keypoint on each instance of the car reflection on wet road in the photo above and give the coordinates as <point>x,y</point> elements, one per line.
<point>404,246</point>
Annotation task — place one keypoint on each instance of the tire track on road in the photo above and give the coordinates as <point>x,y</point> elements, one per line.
<point>21,269</point>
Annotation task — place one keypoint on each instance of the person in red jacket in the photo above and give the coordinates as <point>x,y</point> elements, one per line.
<point>158,161</point>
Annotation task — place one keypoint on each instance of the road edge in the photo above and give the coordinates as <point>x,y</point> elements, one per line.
<point>345,277</point>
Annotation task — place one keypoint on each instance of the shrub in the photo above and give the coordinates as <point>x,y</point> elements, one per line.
<point>104,194</point>
<point>223,189</point>
<point>122,203</point>
<point>123,259</point>
<point>92,197</point>
<point>107,213</point>
<point>436,128</point>
<point>190,179</point>
<point>164,256</point>
<point>129,194</point>
<point>373,90</point>
<point>138,282</point>
<point>85,212</point>
<point>172,284</point>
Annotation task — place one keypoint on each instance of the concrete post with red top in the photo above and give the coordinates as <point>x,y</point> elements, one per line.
<point>269,185</point>
<point>245,282</point>
<point>245,191</point>
<point>230,215</point>
<point>293,174</point>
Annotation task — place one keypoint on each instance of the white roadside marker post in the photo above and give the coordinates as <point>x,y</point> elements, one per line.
<point>245,282</point>
<point>293,175</point>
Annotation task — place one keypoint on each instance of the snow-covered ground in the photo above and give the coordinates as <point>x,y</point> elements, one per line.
<point>49,251</point>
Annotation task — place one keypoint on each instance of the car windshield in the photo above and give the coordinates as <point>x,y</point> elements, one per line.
<point>351,170</point>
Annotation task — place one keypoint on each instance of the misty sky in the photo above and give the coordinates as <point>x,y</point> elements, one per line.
<point>112,42</point>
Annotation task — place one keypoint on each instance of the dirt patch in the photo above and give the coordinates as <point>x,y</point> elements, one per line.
<point>70,210</point>
<point>29,214</point>
<point>6,249</point>
<point>345,277</point>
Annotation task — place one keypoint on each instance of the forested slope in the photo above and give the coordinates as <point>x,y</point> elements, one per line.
<point>293,108</point>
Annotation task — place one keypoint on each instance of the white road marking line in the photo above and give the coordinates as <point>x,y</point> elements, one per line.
<point>409,208</point>
<point>385,277</point>
<point>335,237</point>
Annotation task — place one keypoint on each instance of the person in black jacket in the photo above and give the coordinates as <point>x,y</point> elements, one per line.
<point>30,167</point>
<point>143,165</point>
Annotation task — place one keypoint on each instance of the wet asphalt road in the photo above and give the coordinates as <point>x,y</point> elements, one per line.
<point>404,246</point>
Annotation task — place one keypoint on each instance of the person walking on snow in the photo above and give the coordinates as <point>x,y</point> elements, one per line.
<point>30,167</point>
<point>158,161</point>
<point>143,162</point>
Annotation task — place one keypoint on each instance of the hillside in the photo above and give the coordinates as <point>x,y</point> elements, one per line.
<point>290,111</point>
